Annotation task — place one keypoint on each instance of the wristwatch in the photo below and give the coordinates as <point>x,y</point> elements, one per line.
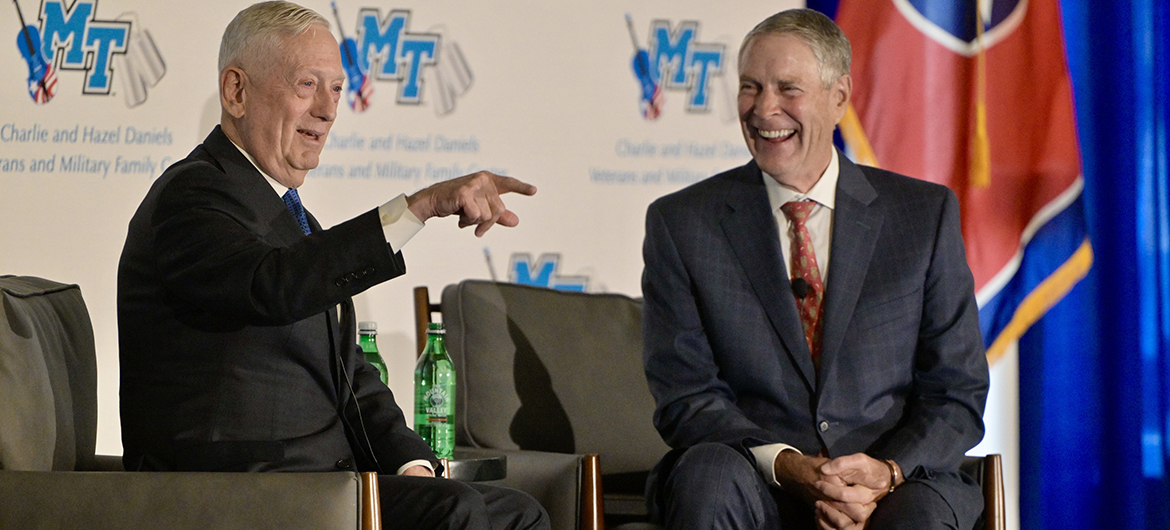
<point>893,474</point>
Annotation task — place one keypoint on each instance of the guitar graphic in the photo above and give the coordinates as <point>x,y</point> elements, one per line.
<point>358,88</point>
<point>42,77</point>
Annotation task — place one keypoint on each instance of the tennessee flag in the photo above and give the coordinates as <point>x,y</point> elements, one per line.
<point>976,95</point>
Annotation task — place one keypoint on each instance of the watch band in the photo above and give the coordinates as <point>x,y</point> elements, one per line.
<point>893,474</point>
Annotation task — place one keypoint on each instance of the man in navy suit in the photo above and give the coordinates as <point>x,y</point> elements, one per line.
<point>236,328</point>
<point>815,365</point>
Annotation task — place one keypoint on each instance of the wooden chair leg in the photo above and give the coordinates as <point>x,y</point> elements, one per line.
<point>994,510</point>
<point>371,505</point>
<point>592,505</point>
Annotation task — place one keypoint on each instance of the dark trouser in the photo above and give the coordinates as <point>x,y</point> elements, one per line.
<point>713,486</point>
<point>439,504</point>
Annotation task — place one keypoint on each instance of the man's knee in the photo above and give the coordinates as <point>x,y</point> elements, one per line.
<point>709,464</point>
<point>914,506</point>
<point>453,504</point>
<point>512,509</point>
<point>715,486</point>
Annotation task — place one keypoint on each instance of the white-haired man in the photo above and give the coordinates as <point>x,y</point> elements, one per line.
<point>236,328</point>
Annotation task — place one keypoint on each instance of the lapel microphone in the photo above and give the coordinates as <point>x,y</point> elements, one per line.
<point>800,288</point>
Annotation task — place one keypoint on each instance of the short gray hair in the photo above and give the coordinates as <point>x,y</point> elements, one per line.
<point>257,28</point>
<point>818,31</point>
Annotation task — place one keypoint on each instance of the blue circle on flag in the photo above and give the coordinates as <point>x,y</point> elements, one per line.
<point>958,17</point>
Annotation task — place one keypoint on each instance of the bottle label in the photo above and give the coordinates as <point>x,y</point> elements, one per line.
<point>437,404</point>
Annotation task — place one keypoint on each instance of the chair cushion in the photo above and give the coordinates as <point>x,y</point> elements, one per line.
<point>549,370</point>
<point>48,376</point>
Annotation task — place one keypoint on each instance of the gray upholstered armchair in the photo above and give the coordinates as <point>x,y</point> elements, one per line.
<point>50,477</point>
<point>543,374</point>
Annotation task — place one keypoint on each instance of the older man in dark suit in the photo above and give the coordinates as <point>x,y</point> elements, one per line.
<point>810,325</point>
<point>234,356</point>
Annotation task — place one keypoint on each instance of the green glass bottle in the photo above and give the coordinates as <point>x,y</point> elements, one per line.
<point>434,394</point>
<point>368,333</point>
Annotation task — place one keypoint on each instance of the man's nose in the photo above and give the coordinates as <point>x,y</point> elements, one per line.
<point>324,105</point>
<point>767,102</point>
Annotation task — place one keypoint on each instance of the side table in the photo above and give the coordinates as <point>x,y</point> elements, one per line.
<point>474,468</point>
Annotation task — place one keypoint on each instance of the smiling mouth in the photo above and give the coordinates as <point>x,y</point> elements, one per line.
<point>310,134</point>
<point>781,134</point>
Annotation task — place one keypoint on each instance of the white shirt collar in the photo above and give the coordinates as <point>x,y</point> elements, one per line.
<point>824,192</point>
<point>276,186</point>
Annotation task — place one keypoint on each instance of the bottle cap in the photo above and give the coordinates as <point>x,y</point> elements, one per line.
<point>367,326</point>
<point>436,327</point>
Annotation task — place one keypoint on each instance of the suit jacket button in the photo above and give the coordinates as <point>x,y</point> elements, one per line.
<point>339,282</point>
<point>824,426</point>
<point>350,277</point>
<point>343,464</point>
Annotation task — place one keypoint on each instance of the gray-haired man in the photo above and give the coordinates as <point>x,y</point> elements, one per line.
<point>811,335</point>
<point>235,321</point>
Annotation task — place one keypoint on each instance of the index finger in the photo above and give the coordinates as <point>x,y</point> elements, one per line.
<point>845,463</point>
<point>509,184</point>
<point>848,494</point>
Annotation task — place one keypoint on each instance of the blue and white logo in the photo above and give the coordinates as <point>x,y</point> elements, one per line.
<point>543,273</point>
<point>384,49</point>
<point>71,37</point>
<point>392,53</point>
<point>676,60</point>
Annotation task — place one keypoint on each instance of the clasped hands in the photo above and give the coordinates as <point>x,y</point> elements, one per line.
<point>475,198</point>
<point>843,491</point>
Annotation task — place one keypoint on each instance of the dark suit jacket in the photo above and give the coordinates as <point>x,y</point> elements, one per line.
<point>232,353</point>
<point>902,376</point>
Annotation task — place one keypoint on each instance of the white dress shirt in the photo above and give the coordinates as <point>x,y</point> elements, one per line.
<point>820,228</point>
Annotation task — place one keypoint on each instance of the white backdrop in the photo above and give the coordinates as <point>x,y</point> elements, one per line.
<point>553,100</point>
<point>543,91</point>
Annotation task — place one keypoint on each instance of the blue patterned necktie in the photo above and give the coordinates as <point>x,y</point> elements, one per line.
<point>293,201</point>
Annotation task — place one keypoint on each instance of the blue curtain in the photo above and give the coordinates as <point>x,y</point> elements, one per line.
<point>1095,403</point>
<point>1095,371</point>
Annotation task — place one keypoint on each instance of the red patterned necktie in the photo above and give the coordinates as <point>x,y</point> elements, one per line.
<point>804,266</point>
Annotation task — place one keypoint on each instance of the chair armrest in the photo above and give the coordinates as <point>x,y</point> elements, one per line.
<point>177,501</point>
<point>556,481</point>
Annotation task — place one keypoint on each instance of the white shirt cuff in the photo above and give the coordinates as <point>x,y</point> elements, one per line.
<point>766,459</point>
<point>399,224</point>
<point>412,463</point>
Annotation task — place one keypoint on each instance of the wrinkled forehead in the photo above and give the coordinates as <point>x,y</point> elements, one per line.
<point>313,49</point>
<point>775,45</point>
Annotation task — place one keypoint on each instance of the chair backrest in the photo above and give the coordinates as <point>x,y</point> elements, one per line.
<point>549,370</point>
<point>48,377</point>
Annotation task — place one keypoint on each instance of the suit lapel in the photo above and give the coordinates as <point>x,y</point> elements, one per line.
<point>855,232</point>
<point>763,262</point>
<point>271,212</point>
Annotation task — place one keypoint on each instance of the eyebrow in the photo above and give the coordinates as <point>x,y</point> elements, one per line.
<point>317,73</point>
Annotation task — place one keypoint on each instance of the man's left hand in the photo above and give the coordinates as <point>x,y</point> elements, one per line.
<point>858,483</point>
<point>863,478</point>
<point>475,197</point>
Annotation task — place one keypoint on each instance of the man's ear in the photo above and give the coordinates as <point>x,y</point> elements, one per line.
<point>232,94</point>
<point>842,90</point>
